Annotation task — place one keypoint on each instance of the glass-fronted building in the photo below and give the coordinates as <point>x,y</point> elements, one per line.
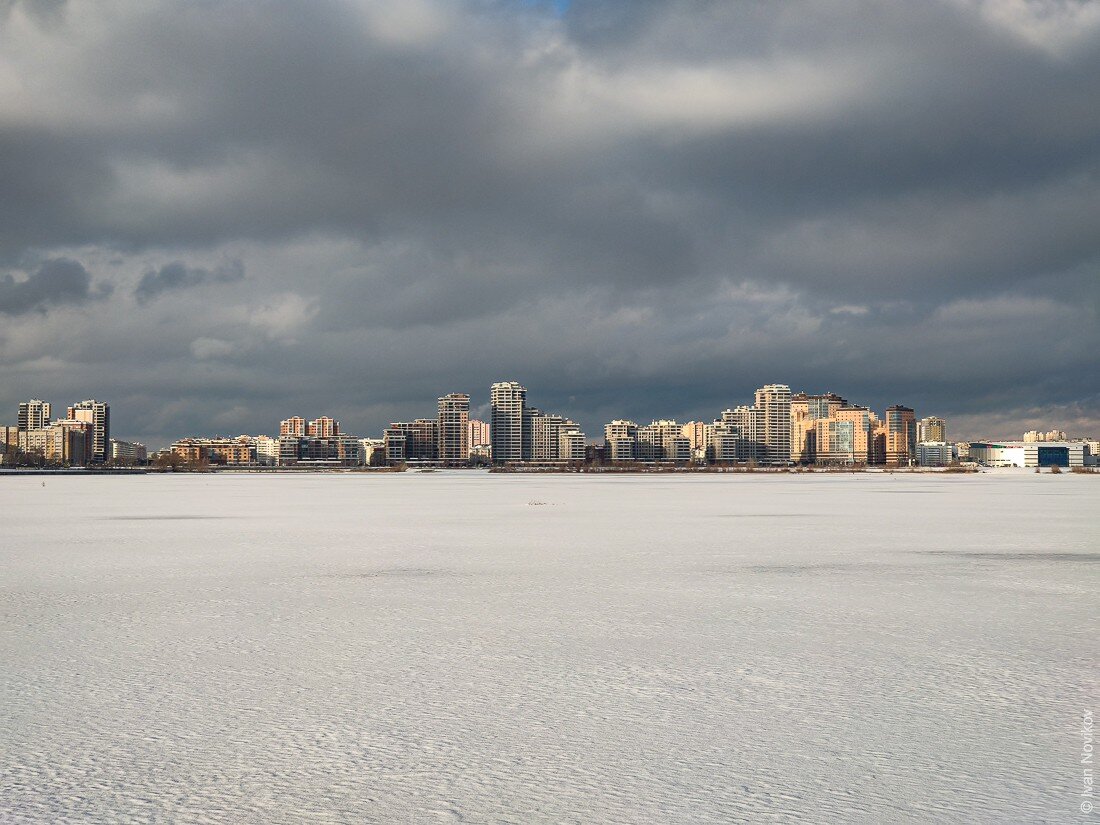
<point>1031,454</point>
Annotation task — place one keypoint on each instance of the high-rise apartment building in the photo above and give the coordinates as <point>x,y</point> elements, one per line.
<point>527,446</point>
<point>419,441</point>
<point>805,411</point>
<point>802,429</point>
<point>454,428</point>
<point>508,404</point>
<point>34,441</point>
<point>98,414</point>
<point>774,403</point>
<point>725,443</point>
<point>651,439</point>
<point>323,427</point>
<point>295,427</point>
<point>620,448</point>
<point>393,443</point>
<point>620,439</point>
<point>267,450</point>
<point>700,435</point>
<point>478,435</point>
<point>878,441</point>
<point>69,442</point>
<point>677,448</point>
<point>901,435</point>
<point>748,424</point>
<point>9,443</point>
<point>372,451</point>
<point>619,428</point>
<point>33,415</point>
<point>571,444</point>
<point>546,431</point>
<point>931,429</point>
<point>844,437</point>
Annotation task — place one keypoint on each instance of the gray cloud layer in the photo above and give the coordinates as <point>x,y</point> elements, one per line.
<point>636,208</point>
<point>56,282</point>
<point>176,275</point>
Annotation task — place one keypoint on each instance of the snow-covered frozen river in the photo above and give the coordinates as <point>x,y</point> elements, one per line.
<point>467,647</point>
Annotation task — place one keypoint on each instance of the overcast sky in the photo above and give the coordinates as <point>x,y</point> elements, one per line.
<point>215,215</point>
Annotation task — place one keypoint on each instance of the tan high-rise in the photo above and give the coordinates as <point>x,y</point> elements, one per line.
<point>295,427</point>
<point>454,428</point>
<point>478,434</point>
<point>774,403</point>
<point>845,437</point>
<point>699,434</point>
<point>932,429</point>
<point>98,414</point>
<point>33,415</point>
<point>323,427</point>
<point>805,411</point>
<point>508,403</point>
<point>901,435</point>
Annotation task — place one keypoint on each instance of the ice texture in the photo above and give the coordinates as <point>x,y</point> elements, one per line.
<point>428,647</point>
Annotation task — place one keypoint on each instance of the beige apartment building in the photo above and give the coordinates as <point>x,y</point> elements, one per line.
<point>774,403</point>
<point>805,411</point>
<point>845,437</point>
<point>98,414</point>
<point>571,444</point>
<point>745,425</point>
<point>213,450</point>
<point>619,428</point>
<point>1032,436</point>
<point>70,442</point>
<point>295,427</point>
<point>33,414</point>
<point>478,435</point>
<point>699,434</point>
<point>546,430</point>
<point>9,443</point>
<point>651,439</point>
<point>932,429</point>
<point>416,440</point>
<point>454,428</point>
<point>901,435</point>
<point>620,438</point>
<point>323,427</point>
<point>508,404</point>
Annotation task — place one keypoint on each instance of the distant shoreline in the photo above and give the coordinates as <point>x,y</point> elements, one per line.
<point>528,471</point>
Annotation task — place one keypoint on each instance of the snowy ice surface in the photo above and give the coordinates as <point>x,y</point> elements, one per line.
<point>432,647</point>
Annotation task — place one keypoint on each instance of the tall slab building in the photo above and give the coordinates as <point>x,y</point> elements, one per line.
<point>34,414</point>
<point>98,414</point>
<point>507,402</point>
<point>454,428</point>
<point>901,435</point>
<point>774,403</point>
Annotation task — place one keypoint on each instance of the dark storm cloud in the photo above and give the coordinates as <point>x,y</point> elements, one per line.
<point>309,123</point>
<point>56,282</point>
<point>176,275</point>
<point>637,208</point>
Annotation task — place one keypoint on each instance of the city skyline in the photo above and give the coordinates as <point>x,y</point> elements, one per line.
<point>776,427</point>
<point>637,207</point>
